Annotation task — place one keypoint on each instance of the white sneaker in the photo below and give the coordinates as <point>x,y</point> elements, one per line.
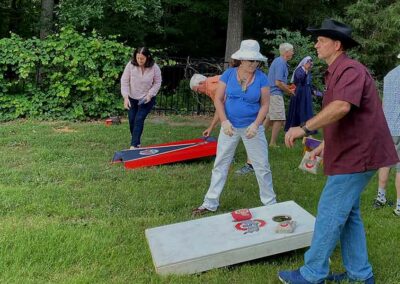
<point>133,147</point>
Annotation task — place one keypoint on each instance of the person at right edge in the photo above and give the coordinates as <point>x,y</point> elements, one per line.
<point>391,109</point>
<point>356,143</point>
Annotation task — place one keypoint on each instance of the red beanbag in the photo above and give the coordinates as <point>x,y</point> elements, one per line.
<point>241,215</point>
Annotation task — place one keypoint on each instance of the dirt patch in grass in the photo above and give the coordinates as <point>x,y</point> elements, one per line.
<point>64,129</point>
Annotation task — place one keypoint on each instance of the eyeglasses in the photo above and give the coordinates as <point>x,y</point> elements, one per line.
<point>253,61</point>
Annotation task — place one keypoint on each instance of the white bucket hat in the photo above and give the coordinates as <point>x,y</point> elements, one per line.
<point>249,50</point>
<point>398,55</point>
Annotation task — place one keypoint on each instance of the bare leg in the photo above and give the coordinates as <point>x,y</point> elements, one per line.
<point>398,185</point>
<point>267,123</point>
<point>397,206</point>
<point>383,177</point>
<point>276,127</point>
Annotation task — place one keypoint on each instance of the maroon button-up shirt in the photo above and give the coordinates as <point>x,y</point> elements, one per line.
<point>360,141</point>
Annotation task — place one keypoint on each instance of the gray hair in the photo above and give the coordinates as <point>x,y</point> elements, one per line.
<point>284,47</point>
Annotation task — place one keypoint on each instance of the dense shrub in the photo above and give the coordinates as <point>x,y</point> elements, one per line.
<point>66,76</point>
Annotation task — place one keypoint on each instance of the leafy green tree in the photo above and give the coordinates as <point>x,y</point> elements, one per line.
<point>377,27</point>
<point>193,28</point>
<point>289,14</point>
<point>19,16</point>
<point>131,19</point>
<point>196,28</point>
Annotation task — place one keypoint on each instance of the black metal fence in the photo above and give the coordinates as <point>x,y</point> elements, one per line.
<point>176,96</point>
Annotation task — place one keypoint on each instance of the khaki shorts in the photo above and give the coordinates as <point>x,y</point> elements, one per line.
<point>276,108</point>
<point>396,141</point>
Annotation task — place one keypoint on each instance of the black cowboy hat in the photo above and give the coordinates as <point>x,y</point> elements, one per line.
<point>336,31</point>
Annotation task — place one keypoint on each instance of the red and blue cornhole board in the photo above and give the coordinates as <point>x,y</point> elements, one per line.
<point>310,143</point>
<point>167,153</point>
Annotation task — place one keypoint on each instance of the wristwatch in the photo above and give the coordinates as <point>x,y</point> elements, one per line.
<point>307,131</point>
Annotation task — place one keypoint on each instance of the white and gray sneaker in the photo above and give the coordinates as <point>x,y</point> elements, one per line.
<point>246,169</point>
<point>378,203</point>
<point>396,212</point>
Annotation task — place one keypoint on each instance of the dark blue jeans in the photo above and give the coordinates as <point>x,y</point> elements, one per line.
<point>136,115</point>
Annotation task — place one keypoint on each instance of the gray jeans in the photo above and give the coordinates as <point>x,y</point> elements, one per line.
<point>257,152</point>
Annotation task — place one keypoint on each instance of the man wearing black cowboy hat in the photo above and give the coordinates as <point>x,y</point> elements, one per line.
<point>357,141</point>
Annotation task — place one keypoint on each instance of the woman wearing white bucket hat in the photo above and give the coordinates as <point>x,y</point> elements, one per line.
<point>241,101</point>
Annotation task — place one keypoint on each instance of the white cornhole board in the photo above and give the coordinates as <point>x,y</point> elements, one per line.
<point>211,242</point>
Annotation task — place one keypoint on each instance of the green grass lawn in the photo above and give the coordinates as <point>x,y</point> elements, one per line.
<point>69,216</point>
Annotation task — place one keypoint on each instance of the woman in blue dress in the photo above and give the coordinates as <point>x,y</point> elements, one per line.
<point>300,106</point>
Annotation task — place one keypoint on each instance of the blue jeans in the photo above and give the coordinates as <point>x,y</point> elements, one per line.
<point>136,115</point>
<point>339,218</point>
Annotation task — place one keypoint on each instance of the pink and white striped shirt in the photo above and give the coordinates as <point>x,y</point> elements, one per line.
<point>138,85</point>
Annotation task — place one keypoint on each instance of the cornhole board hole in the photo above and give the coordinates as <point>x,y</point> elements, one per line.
<point>167,153</point>
<point>211,242</point>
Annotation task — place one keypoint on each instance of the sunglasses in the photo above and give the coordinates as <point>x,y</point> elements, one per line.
<point>252,61</point>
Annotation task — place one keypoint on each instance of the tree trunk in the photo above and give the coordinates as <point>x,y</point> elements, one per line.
<point>235,29</point>
<point>14,16</point>
<point>46,18</point>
